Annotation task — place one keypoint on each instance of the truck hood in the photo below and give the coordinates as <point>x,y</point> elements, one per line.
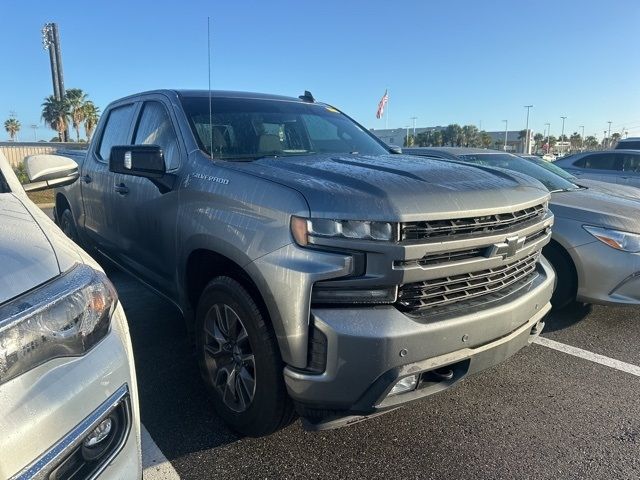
<point>397,187</point>
<point>32,249</point>
<point>597,208</point>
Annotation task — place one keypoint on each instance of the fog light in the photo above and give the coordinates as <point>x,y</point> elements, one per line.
<point>99,434</point>
<point>405,384</point>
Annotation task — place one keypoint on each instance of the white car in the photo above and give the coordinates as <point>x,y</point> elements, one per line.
<point>68,395</point>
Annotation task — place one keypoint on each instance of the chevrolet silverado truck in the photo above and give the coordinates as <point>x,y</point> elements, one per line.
<point>321,272</point>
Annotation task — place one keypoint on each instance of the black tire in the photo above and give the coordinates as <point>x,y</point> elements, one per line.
<point>566,277</point>
<point>68,225</point>
<point>228,358</point>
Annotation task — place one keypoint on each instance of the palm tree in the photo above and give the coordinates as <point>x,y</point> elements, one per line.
<point>76,99</point>
<point>91,117</point>
<point>55,113</point>
<point>470,136</point>
<point>12,126</point>
<point>485,139</point>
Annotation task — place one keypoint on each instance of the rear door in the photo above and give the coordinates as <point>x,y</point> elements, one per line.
<point>102,204</point>
<point>148,217</point>
<point>603,166</point>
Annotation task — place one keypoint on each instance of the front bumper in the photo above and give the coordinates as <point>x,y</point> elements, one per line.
<point>41,410</point>
<point>369,349</point>
<point>607,276</point>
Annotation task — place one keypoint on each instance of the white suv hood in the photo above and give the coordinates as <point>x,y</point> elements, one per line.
<point>29,257</point>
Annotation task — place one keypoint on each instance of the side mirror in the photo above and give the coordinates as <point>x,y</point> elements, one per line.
<point>395,149</point>
<point>49,171</point>
<point>138,160</point>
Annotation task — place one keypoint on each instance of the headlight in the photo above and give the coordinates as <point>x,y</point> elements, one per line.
<point>303,228</point>
<point>65,317</point>
<point>625,241</point>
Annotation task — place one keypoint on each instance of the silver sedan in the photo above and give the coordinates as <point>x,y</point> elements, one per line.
<point>595,247</point>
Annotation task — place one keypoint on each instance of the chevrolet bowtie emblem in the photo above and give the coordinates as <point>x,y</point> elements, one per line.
<point>508,248</point>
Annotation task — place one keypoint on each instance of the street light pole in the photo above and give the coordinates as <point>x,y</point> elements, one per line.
<point>582,139</point>
<point>407,142</point>
<point>548,125</point>
<point>562,134</point>
<point>609,134</point>
<point>414,125</point>
<point>506,123</point>
<point>527,146</point>
<point>35,127</point>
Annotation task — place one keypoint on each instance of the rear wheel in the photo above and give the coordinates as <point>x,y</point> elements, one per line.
<point>240,361</point>
<point>566,277</point>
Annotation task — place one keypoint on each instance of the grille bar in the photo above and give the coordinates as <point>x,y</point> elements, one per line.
<point>448,290</point>
<point>469,225</point>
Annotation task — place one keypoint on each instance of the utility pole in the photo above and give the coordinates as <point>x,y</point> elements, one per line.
<point>414,125</point>
<point>609,134</point>
<point>548,125</point>
<point>582,138</point>
<point>506,124</point>
<point>528,149</point>
<point>562,134</point>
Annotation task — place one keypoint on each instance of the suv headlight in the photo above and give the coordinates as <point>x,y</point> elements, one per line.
<point>625,241</point>
<point>303,228</point>
<point>65,317</point>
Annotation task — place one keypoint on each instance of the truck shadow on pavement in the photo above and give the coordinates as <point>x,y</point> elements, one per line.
<point>565,317</point>
<point>173,401</point>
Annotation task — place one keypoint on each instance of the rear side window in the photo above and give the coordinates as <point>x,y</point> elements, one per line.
<point>155,128</point>
<point>116,131</point>
<point>603,161</point>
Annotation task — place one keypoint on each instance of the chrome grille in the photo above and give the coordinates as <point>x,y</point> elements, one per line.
<point>448,290</point>
<point>469,225</point>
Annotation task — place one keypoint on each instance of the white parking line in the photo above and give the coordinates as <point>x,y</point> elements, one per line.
<point>155,465</point>
<point>587,355</point>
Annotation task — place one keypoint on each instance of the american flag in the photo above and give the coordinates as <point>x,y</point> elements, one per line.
<point>382,104</point>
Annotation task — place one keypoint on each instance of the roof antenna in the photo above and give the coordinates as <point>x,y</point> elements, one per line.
<point>209,61</point>
<point>307,97</point>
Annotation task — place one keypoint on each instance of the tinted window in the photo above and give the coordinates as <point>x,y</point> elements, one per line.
<point>116,131</point>
<point>629,144</point>
<point>552,168</point>
<point>603,161</point>
<point>244,128</point>
<point>155,128</point>
<point>549,179</point>
<point>631,162</point>
<point>579,163</point>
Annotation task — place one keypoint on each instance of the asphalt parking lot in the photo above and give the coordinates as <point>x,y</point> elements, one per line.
<point>542,414</point>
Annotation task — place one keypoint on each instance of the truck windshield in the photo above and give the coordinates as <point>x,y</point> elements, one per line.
<point>248,128</point>
<point>552,181</point>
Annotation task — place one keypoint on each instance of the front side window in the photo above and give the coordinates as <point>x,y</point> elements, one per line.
<point>116,131</point>
<point>603,161</point>
<point>155,128</point>
<point>246,128</point>
<point>631,163</point>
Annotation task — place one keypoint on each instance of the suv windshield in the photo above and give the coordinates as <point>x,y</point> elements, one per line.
<point>552,181</point>
<point>248,128</point>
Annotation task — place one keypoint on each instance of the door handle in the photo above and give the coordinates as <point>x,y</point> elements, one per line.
<point>86,179</point>
<point>121,188</point>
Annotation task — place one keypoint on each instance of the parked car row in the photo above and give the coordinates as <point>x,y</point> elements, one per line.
<point>321,273</point>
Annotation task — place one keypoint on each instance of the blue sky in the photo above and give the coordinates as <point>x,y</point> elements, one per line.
<point>443,62</point>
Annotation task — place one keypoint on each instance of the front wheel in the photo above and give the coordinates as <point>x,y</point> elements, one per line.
<point>68,225</point>
<point>239,360</point>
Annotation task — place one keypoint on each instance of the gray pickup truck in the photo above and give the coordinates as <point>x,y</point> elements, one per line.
<point>321,272</point>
